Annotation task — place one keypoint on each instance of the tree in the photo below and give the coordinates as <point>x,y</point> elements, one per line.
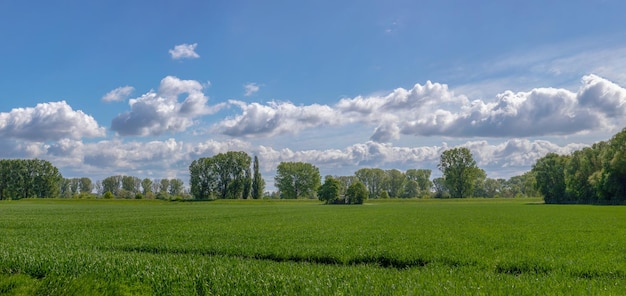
<point>258,184</point>
<point>578,173</point>
<point>225,175</point>
<point>441,190</point>
<point>165,185</point>
<point>24,178</point>
<point>345,182</point>
<point>176,187</point>
<point>459,171</point>
<point>112,184</point>
<point>394,179</point>
<point>329,191</point>
<point>610,181</point>
<point>86,186</point>
<point>410,188</point>
<point>146,186</point>
<point>357,193</point>
<point>202,178</point>
<point>479,189</point>
<point>549,172</point>
<point>422,177</point>
<point>297,179</point>
<point>373,179</point>
<point>247,184</point>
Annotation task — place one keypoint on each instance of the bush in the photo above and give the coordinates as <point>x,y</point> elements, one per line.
<point>108,195</point>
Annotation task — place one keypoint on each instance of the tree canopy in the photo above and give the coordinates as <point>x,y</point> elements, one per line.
<point>297,180</point>
<point>459,171</point>
<point>224,176</point>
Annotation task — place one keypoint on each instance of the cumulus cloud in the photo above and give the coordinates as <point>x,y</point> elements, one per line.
<point>250,89</point>
<point>275,118</point>
<point>184,51</point>
<point>433,109</point>
<point>119,94</point>
<point>48,122</point>
<point>155,113</point>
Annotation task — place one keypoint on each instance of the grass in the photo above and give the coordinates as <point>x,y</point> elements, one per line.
<point>473,246</point>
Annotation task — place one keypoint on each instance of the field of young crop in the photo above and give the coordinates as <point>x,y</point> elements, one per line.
<point>475,246</point>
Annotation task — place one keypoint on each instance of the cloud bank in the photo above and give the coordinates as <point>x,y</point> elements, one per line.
<point>434,110</point>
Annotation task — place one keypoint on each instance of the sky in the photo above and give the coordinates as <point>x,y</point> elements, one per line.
<point>143,88</point>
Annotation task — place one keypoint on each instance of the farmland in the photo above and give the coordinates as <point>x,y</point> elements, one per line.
<point>468,246</point>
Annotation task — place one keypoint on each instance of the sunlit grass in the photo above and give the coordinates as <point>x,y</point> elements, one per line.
<point>474,246</point>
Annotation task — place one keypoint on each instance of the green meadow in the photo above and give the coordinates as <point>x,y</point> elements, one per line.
<point>424,247</point>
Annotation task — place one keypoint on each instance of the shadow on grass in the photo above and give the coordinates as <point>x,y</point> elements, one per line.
<point>377,260</point>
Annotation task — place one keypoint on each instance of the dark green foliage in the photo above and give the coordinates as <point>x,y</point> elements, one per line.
<point>549,172</point>
<point>394,180</point>
<point>422,177</point>
<point>329,191</point>
<point>357,193</point>
<point>459,171</point>
<point>224,176</point>
<point>146,186</point>
<point>258,184</point>
<point>374,179</point>
<point>595,174</point>
<point>297,180</point>
<point>441,190</point>
<point>25,178</point>
<point>176,187</point>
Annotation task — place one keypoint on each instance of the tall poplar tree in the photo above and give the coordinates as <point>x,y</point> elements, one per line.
<point>258,184</point>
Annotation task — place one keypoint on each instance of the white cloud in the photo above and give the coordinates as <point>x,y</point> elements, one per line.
<point>434,110</point>
<point>155,113</point>
<point>119,94</point>
<point>275,118</point>
<point>250,89</point>
<point>184,51</point>
<point>48,122</point>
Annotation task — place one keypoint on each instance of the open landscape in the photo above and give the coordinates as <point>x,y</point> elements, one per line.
<point>230,247</point>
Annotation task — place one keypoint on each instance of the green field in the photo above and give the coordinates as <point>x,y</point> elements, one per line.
<point>470,246</point>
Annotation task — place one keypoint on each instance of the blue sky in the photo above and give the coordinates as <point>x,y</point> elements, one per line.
<point>144,87</point>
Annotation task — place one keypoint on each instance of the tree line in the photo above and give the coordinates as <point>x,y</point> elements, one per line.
<point>595,174</point>
<point>235,175</point>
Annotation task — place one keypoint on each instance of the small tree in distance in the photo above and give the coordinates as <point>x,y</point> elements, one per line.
<point>357,193</point>
<point>329,191</point>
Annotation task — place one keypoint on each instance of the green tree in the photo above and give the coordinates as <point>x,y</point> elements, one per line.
<point>578,173</point>
<point>345,181</point>
<point>357,193</point>
<point>176,187</point>
<point>329,191</point>
<point>549,173</point>
<point>202,178</point>
<point>459,171</point>
<point>297,179</point>
<point>410,189</point>
<point>146,186</point>
<point>610,181</point>
<point>24,178</point>
<point>86,186</point>
<point>258,184</point>
<point>394,179</point>
<point>422,177</point>
<point>373,179</point>
<point>225,175</point>
<point>441,190</point>
<point>112,184</point>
